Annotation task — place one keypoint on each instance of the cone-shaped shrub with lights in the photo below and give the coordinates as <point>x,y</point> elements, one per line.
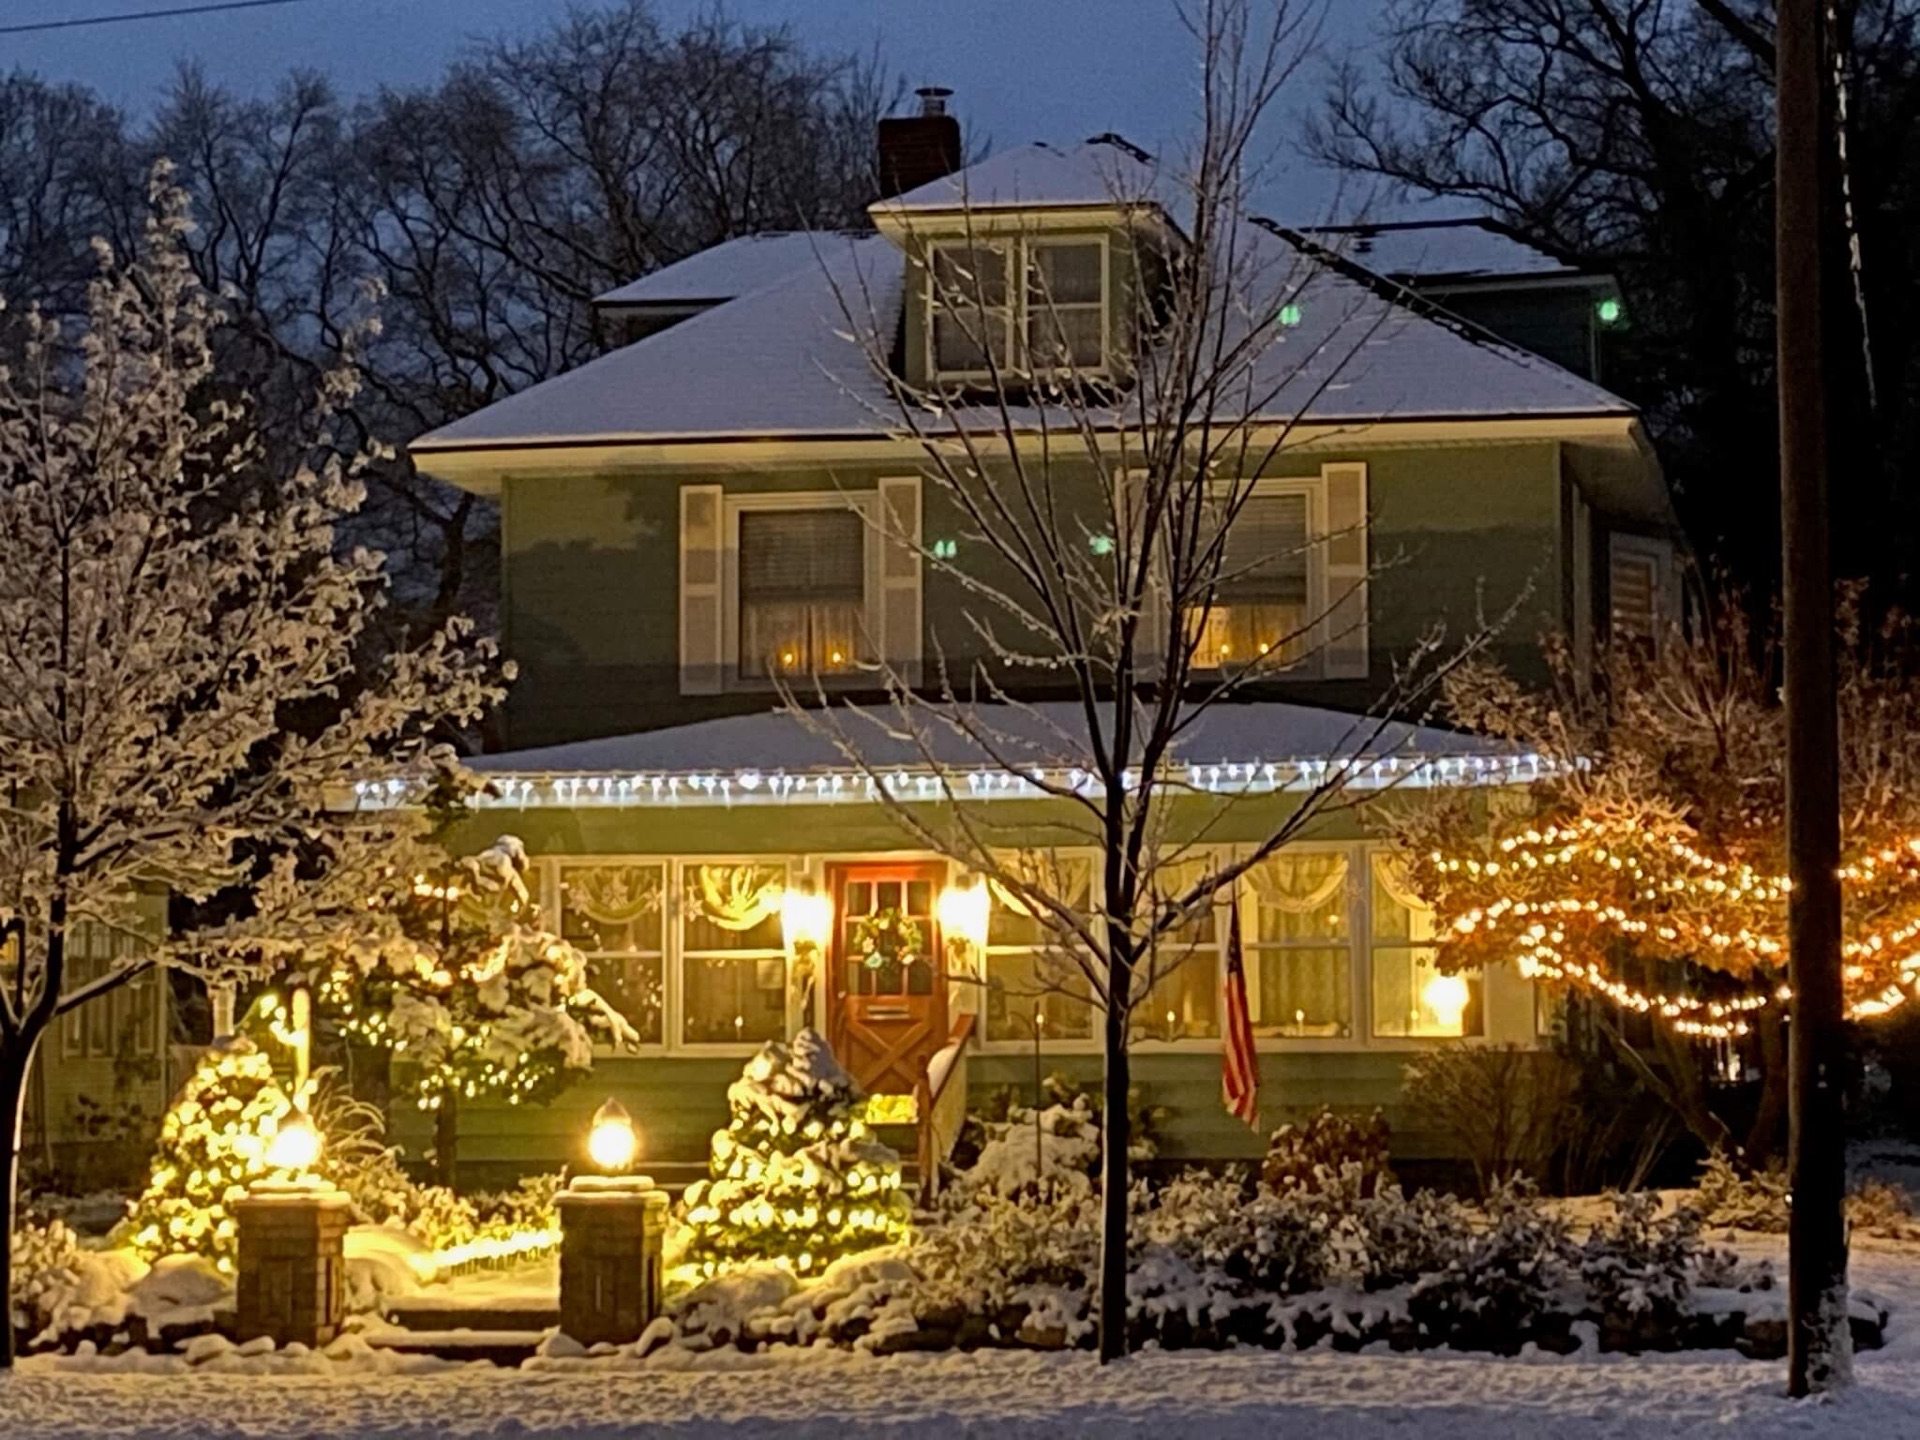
<point>213,1144</point>
<point>797,1176</point>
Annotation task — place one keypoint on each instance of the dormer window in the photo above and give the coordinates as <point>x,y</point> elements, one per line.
<point>972,308</point>
<point>1066,304</point>
<point>1054,320</point>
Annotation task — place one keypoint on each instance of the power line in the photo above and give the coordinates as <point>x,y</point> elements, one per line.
<point>168,13</point>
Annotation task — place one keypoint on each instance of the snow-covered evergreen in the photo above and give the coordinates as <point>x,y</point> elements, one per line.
<point>796,1176</point>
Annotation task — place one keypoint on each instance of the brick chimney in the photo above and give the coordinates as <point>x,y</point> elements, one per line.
<point>917,149</point>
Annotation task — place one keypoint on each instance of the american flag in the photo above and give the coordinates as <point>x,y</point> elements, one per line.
<point>1239,1061</point>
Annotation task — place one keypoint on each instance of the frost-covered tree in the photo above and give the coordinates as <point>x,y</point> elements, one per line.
<point>1109,547</point>
<point>460,979</point>
<point>184,678</point>
<point>796,1176</point>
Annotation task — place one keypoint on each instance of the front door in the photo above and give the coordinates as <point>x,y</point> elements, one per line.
<point>889,993</point>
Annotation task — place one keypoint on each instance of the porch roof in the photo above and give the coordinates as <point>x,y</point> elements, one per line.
<point>1023,752</point>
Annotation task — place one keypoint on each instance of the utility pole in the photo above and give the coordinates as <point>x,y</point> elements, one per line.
<point>1820,1350</point>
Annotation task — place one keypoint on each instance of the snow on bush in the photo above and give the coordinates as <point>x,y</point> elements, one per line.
<point>1319,1152</point>
<point>1059,1145</point>
<point>1734,1199</point>
<point>1637,1266</point>
<point>1509,1285</point>
<point>796,1176</point>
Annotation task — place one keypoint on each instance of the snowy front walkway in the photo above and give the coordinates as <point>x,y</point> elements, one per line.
<point>838,1396</point>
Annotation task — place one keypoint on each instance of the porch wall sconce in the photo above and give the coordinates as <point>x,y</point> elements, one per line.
<point>806,922</point>
<point>963,912</point>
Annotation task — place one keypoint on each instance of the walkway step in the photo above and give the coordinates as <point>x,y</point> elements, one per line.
<point>497,1347</point>
<point>427,1314</point>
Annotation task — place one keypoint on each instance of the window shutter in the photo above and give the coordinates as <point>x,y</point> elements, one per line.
<point>702,633</point>
<point>1348,653</point>
<point>1151,648</point>
<point>901,626</point>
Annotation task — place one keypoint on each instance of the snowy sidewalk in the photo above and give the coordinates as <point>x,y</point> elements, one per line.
<point>837,1395</point>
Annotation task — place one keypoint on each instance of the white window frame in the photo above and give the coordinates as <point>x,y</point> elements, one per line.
<point>1357,899</point>
<point>675,1028</point>
<point>1311,665</point>
<point>1017,250</point>
<point>863,503</point>
<point>552,919</point>
<point>1104,304</point>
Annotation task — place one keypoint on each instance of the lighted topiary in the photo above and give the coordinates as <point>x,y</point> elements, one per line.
<point>212,1145</point>
<point>797,1176</point>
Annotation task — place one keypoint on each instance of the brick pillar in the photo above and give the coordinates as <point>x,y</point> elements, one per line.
<point>291,1280</point>
<point>611,1231</point>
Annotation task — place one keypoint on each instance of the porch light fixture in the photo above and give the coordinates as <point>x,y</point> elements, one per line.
<point>612,1143</point>
<point>1446,997</point>
<point>963,911</point>
<point>295,1145</point>
<point>806,921</point>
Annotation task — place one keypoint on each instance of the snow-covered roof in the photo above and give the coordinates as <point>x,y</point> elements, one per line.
<point>1429,251</point>
<point>784,360</point>
<point>775,755</point>
<point>1106,171</point>
<point>723,272</point>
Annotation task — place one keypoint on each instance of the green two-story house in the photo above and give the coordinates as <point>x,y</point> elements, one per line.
<point>687,521</point>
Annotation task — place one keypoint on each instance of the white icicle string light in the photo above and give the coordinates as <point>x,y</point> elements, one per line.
<point>534,790</point>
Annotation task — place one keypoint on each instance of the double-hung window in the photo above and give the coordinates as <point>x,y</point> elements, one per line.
<point>971,308</point>
<point>1030,979</point>
<point>1300,949</point>
<point>733,956</point>
<point>614,912</point>
<point>1412,996</point>
<point>803,599</point>
<point>1182,968</point>
<point>1262,612</point>
<point>1034,305</point>
<point>1066,305</point>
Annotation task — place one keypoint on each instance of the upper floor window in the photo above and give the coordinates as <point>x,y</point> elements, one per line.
<point>803,592</point>
<point>1032,304</point>
<point>1263,611</point>
<point>1066,304</point>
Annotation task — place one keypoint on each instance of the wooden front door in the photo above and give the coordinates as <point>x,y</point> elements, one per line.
<point>888,1016</point>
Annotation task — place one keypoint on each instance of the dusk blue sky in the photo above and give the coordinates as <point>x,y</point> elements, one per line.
<point>1022,69</point>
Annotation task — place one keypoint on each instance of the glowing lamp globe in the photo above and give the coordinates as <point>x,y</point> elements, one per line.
<point>1446,996</point>
<point>612,1142</point>
<point>295,1146</point>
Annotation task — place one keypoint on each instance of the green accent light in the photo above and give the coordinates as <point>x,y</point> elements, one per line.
<point>1290,315</point>
<point>945,549</point>
<point>1610,311</point>
<point>1101,544</point>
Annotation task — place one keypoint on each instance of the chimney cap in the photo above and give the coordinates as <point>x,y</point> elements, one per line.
<point>933,99</point>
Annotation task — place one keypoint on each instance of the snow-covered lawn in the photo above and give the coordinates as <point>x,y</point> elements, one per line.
<point>833,1394</point>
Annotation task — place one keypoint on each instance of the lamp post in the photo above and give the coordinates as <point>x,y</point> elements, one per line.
<point>612,1225</point>
<point>290,1277</point>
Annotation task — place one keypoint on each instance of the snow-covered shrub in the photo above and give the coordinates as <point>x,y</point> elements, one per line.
<point>1275,1244</point>
<point>1637,1265</point>
<point>1505,1288</point>
<point>58,1282</point>
<point>986,1249</point>
<point>797,1175</point>
<point>1060,1146</point>
<point>212,1146</point>
<point>1880,1207</point>
<point>1402,1237</point>
<point>1312,1156</point>
<point>1729,1197</point>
